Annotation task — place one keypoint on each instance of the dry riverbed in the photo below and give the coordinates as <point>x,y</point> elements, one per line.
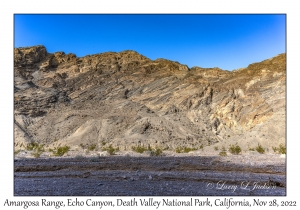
<point>132,174</point>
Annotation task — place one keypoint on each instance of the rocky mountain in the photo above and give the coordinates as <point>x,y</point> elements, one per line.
<point>125,99</point>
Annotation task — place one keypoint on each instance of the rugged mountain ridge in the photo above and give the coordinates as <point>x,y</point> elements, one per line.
<point>126,99</point>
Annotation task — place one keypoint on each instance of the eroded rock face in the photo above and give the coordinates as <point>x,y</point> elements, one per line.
<point>126,99</point>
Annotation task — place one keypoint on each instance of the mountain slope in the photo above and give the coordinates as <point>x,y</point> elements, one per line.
<point>126,99</point>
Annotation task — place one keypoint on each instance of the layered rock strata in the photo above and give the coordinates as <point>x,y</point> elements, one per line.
<point>125,99</point>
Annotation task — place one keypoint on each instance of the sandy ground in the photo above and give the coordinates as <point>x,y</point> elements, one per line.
<point>133,174</point>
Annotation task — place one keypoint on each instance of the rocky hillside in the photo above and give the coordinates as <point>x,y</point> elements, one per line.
<point>125,99</point>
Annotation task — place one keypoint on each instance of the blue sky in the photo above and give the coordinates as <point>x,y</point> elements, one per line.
<point>225,41</point>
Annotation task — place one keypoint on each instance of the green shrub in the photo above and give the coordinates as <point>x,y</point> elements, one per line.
<point>36,154</point>
<point>223,152</point>
<point>235,149</point>
<point>260,149</point>
<point>92,147</point>
<point>111,150</point>
<point>157,152</point>
<point>141,149</point>
<point>37,149</point>
<point>40,148</point>
<point>280,150</point>
<point>154,152</point>
<point>188,149</point>
<point>17,151</point>
<point>184,149</point>
<point>60,151</point>
<point>31,146</point>
<point>178,149</point>
<point>201,147</point>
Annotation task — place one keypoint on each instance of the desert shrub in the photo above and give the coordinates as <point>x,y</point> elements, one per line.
<point>260,149</point>
<point>92,147</point>
<point>235,149</point>
<point>223,152</point>
<point>37,149</point>
<point>60,151</point>
<point>280,150</point>
<point>141,149</point>
<point>216,148</point>
<point>157,152</point>
<point>111,150</point>
<point>184,149</point>
<point>251,149</point>
<point>17,151</point>
<point>36,154</point>
<point>31,146</point>
<point>178,149</point>
<point>154,152</point>
<point>188,149</point>
<point>201,147</point>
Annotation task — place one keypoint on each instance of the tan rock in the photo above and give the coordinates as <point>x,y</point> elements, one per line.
<point>125,99</point>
